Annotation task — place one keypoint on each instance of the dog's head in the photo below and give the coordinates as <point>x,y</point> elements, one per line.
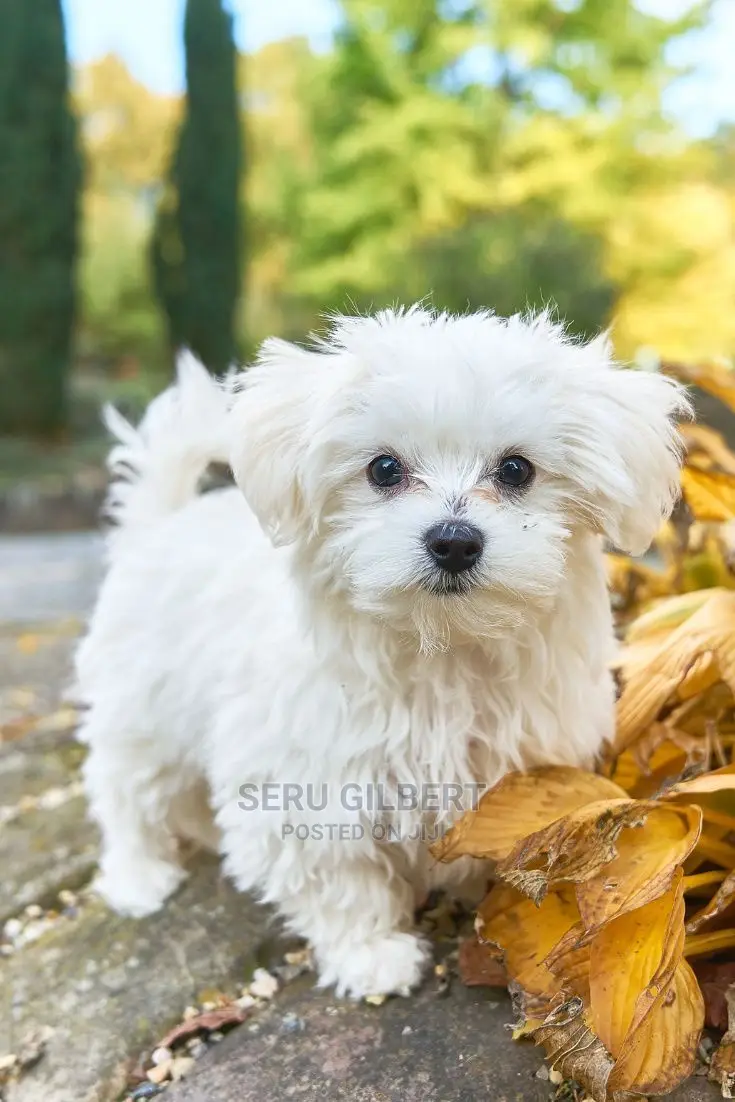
<point>435,467</point>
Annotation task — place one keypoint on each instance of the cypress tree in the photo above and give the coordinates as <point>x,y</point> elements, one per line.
<point>40,175</point>
<point>196,241</point>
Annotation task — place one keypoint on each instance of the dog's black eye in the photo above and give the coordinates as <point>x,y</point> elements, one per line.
<point>386,471</point>
<point>514,471</point>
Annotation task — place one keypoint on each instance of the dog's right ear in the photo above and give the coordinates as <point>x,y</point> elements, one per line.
<point>271,415</point>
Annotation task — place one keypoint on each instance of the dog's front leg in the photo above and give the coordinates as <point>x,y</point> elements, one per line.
<point>347,899</point>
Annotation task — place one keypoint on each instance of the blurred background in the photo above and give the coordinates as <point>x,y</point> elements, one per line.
<point>208,172</point>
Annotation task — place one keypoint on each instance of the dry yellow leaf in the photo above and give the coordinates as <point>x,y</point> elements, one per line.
<point>631,959</point>
<point>709,630</point>
<point>703,673</point>
<point>715,941</point>
<point>526,934</point>
<point>661,749</point>
<point>719,780</point>
<point>572,849</point>
<point>647,862</point>
<point>667,614</point>
<point>703,881</point>
<point>661,1050</point>
<point>710,495</point>
<point>701,440</point>
<point>519,805</point>
<point>712,848</point>
<point>723,898</point>
<point>569,961</point>
<point>716,379</point>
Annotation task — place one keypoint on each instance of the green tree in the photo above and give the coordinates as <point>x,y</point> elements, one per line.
<point>196,248</point>
<point>40,173</point>
<point>513,261</point>
<point>441,122</point>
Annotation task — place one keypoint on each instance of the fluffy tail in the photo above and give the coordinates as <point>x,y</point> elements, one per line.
<point>156,467</point>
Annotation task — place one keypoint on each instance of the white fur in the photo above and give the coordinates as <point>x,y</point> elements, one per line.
<point>215,657</point>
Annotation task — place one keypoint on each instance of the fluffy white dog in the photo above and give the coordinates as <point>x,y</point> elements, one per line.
<point>411,592</point>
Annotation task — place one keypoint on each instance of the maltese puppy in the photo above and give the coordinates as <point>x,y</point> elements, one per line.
<point>406,594</point>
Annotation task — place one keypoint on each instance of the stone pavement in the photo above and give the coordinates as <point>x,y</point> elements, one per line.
<point>85,996</point>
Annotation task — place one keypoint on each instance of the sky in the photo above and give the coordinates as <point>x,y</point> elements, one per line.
<point>147,35</point>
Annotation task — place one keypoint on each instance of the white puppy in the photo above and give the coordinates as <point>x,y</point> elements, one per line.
<point>413,594</point>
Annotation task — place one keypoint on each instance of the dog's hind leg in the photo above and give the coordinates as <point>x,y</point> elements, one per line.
<point>130,795</point>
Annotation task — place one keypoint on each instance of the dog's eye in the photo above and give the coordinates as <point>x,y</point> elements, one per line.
<point>514,471</point>
<point>386,471</point>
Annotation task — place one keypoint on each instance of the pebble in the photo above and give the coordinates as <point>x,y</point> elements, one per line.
<point>263,984</point>
<point>67,898</point>
<point>287,973</point>
<point>160,1073</point>
<point>196,1048</point>
<point>406,1030</point>
<point>301,957</point>
<point>543,1073</point>
<point>12,928</point>
<point>145,1090</point>
<point>292,1023</point>
<point>246,1001</point>
<point>215,1036</point>
<point>161,1055</point>
<point>189,1013</point>
<point>555,1076</point>
<point>375,1000</point>
<point>33,910</point>
<point>181,1066</point>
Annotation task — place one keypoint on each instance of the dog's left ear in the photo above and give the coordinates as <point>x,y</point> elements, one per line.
<point>632,448</point>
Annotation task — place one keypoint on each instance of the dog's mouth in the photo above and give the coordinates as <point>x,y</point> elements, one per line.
<point>443,584</point>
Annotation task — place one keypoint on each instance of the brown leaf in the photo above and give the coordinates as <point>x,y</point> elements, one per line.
<point>573,848</point>
<point>646,864</point>
<point>709,494</point>
<point>720,901</point>
<point>573,1049</point>
<point>520,804</point>
<point>207,1021</point>
<point>479,965</point>
<point>714,980</point>
<point>722,1068</point>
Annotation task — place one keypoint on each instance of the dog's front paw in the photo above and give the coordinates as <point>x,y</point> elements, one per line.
<point>388,965</point>
<point>138,889</point>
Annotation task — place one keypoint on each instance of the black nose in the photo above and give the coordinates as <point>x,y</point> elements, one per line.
<point>454,547</point>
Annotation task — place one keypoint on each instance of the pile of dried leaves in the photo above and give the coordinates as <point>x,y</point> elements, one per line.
<point>613,909</point>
